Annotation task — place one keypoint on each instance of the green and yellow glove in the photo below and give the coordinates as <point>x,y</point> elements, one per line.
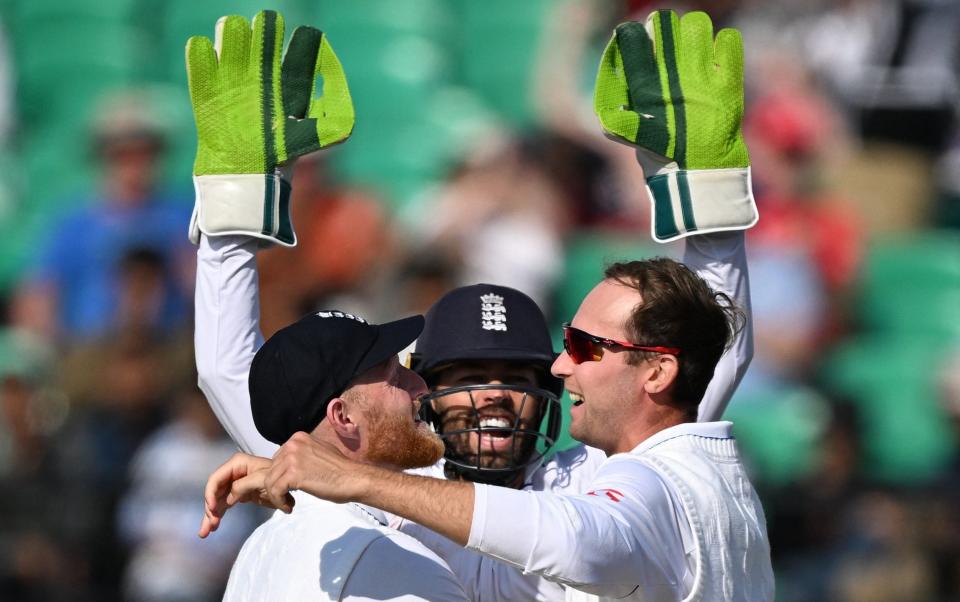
<point>254,117</point>
<point>676,94</point>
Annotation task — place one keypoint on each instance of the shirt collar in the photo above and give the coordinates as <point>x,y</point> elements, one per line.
<point>304,499</point>
<point>372,513</point>
<point>711,430</point>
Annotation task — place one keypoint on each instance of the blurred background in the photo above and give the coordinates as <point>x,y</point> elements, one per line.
<point>476,157</point>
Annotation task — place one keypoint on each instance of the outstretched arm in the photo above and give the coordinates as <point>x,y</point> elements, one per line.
<point>554,536</point>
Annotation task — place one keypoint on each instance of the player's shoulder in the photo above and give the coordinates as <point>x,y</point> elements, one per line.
<point>628,472</point>
<point>568,470</point>
<point>395,563</point>
<point>578,456</point>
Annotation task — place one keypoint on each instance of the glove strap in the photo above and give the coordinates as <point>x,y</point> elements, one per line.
<point>255,205</point>
<point>686,202</point>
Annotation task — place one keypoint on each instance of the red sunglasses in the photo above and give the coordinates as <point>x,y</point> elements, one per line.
<point>584,347</point>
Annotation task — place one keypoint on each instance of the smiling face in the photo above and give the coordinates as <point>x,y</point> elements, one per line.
<point>387,398</point>
<point>488,417</point>
<point>605,393</point>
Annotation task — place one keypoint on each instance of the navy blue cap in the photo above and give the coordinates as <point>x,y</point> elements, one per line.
<point>485,322</point>
<point>296,373</point>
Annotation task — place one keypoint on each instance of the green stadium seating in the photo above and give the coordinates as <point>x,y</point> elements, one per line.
<point>893,380</point>
<point>912,286</point>
<point>587,254</point>
<point>779,431</point>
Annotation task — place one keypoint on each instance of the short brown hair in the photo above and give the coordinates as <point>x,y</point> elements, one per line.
<point>680,310</point>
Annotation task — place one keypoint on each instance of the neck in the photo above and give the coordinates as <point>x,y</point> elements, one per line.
<point>352,449</point>
<point>660,417</point>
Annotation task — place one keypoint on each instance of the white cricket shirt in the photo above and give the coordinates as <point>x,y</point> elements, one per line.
<point>325,551</point>
<point>674,519</point>
<point>227,336</point>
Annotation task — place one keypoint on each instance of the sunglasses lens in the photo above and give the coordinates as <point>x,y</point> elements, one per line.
<point>578,346</point>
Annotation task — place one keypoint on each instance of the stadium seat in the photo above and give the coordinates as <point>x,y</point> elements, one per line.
<point>779,430</point>
<point>893,380</point>
<point>587,253</point>
<point>912,286</point>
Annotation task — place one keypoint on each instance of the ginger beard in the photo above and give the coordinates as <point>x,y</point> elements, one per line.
<point>490,448</point>
<point>396,440</point>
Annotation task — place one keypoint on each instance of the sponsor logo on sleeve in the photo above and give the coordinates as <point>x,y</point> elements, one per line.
<point>613,494</point>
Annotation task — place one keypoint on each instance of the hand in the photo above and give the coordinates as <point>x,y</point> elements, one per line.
<point>222,491</point>
<point>307,464</point>
<point>668,87</point>
<point>254,116</point>
<point>672,90</point>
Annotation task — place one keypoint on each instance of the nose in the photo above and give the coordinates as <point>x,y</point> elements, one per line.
<point>562,366</point>
<point>414,384</point>
<point>493,395</point>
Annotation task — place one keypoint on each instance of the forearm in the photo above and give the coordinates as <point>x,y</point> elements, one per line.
<point>586,541</point>
<point>720,259</point>
<point>227,334</point>
<point>571,540</point>
<point>445,507</point>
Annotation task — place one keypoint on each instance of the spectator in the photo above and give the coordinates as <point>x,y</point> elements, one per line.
<point>343,239</point>
<point>158,514</point>
<point>499,195</point>
<point>72,290</point>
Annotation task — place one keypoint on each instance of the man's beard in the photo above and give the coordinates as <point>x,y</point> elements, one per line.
<point>396,441</point>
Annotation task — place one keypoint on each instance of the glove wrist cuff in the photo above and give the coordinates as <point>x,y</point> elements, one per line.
<point>255,205</point>
<point>699,201</point>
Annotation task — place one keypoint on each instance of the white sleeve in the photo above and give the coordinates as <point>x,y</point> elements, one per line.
<point>398,568</point>
<point>600,543</point>
<point>485,579</point>
<point>720,259</point>
<point>227,334</point>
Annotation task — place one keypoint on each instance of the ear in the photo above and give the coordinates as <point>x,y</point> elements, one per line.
<point>663,372</point>
<point>340,420</point>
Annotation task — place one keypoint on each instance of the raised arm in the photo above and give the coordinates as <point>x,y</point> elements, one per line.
<point>674,92</point>
<point>720,259</point>
<point>255,114</point>
<point>227,334</point>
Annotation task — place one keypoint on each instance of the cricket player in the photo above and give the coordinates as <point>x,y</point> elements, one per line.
<point>671,513</point>
<point>351,392</point>
<point>330,374</point>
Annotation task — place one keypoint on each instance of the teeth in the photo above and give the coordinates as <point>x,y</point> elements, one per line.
<point>495,423</point>
<point>576,398</point>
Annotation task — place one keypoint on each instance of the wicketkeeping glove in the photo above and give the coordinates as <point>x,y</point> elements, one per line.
<point>671,90</point>
<point>255,116</point>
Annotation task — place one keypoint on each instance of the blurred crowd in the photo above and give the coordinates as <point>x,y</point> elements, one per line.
<point>850,411</point>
